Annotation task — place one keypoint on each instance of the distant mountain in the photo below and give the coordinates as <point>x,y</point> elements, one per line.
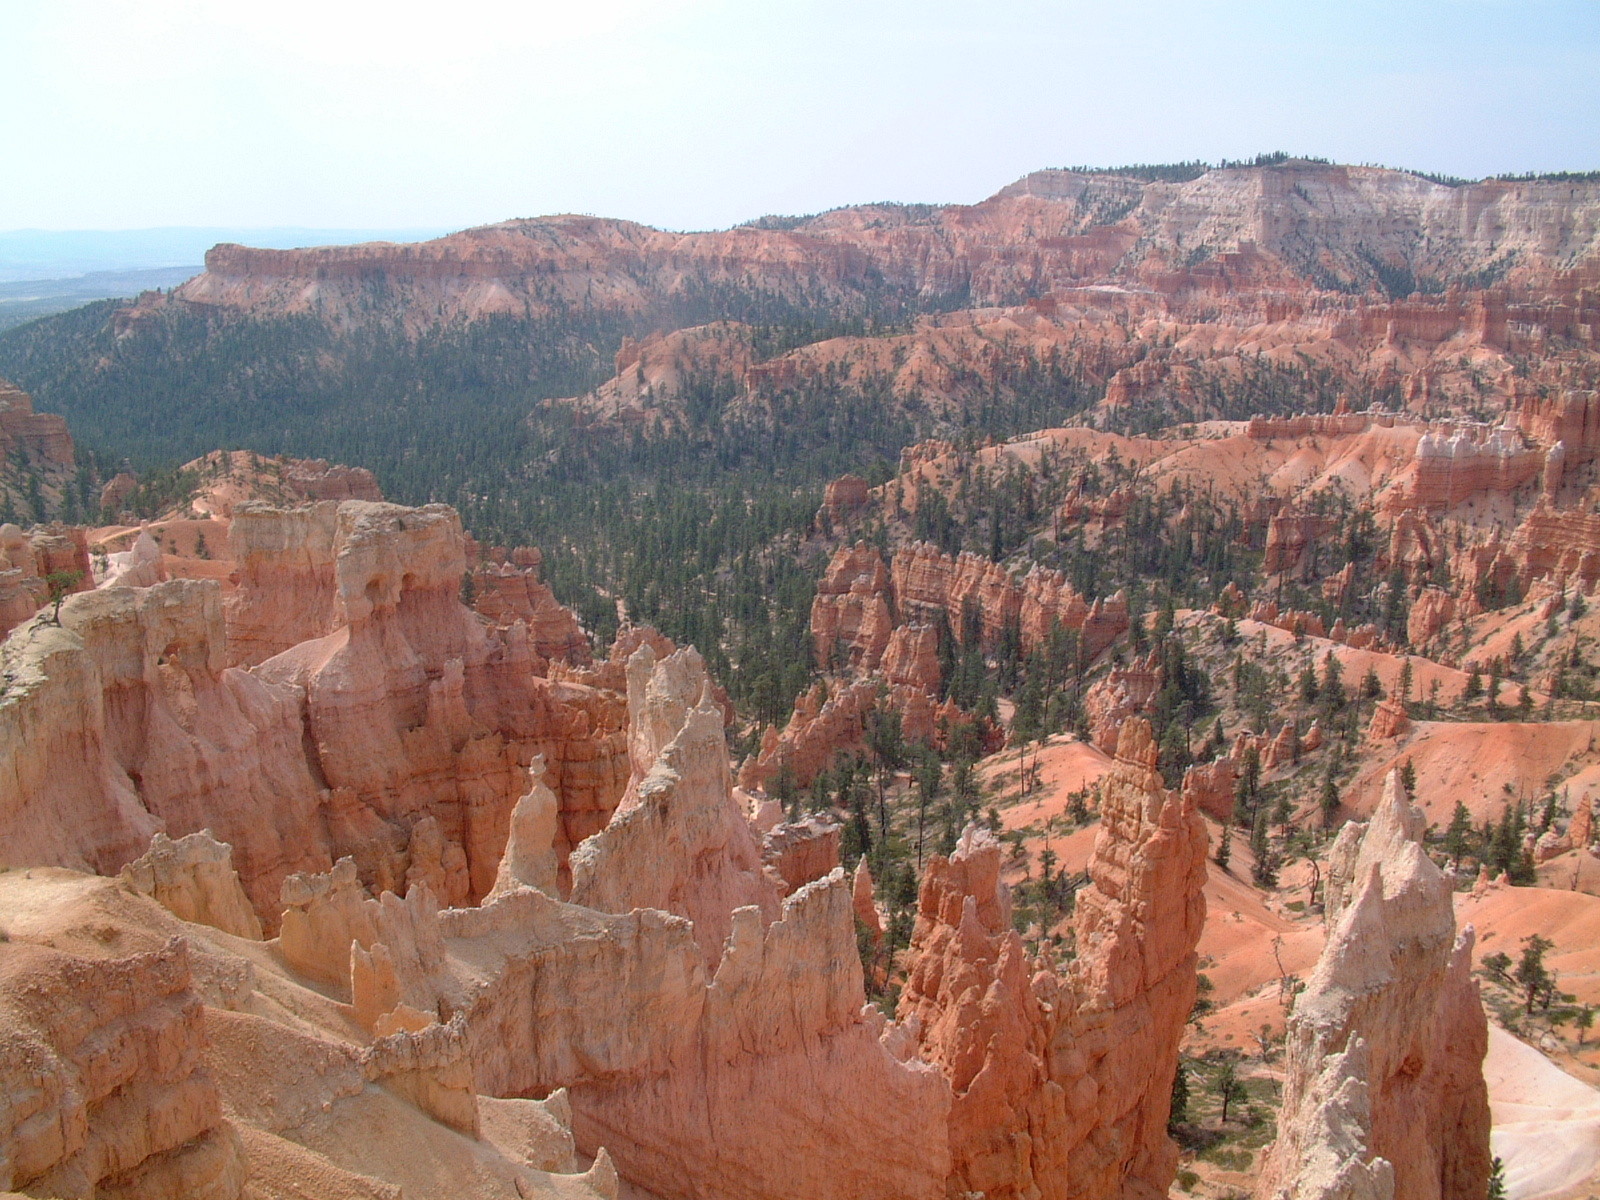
<point>50,254</point>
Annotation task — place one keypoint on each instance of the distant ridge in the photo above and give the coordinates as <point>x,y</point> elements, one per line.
<point>29,254</point>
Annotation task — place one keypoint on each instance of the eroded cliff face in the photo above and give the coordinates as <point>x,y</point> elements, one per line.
<point>125,720</point>
<point>678,842</point>
<point>32,444</point>
<point>419,711</point>
<point>1384,1095</point>
<point>714,1040</point>
<point>1263,226</point>
<point>875,629</point>
<point>1062,1080</point>
<point>397,727</point>
<point>104,1089</point>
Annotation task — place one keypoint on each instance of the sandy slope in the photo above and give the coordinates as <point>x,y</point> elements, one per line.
<point>1546,1124</point>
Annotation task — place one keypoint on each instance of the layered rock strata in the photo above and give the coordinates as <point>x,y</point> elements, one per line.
<point>103,1085</point>
<point>125,721</point>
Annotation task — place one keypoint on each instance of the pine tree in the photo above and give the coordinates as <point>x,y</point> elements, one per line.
<point>1178,1110</point>
<point>1328,802</point>
<point>1224,850</point>
<point>1459,835</point>
<point>1531,973</point>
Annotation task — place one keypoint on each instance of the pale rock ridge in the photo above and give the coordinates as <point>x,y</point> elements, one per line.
<point>403,981</point>
<point>1335,1159</point>
<point>125,721</point>
<point>322,915</point>
<point>386,954</point>
<point>125,1074</point>
<point>1062,1082</point>
<point>138,566</point>
<point>103,1087</point>
<point>1384,1093</point>
<point>431,1068</point>
<point>680,842</point>
<point>193,878</point>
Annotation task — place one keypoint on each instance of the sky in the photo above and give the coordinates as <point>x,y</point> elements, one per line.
<point>698,114</point>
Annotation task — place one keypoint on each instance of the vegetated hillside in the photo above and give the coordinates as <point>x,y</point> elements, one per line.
<point>660,411</point>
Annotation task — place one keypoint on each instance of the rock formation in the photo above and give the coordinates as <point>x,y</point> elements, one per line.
<point>104,1085</point>
<point>741,1061</point>
<point>851,619</point>
<point>1384,1094</point>
<point>416,710</point>
<point>193,878</point>
<point>124,721</point>
<point>1259,226</point>
<point>31,443</point>
<point>27,562</point>
<point>530,858</point>
<point>395,727</point>
<point>1054,1095</point>
<point>142,1057</point>
<point>679,842</point>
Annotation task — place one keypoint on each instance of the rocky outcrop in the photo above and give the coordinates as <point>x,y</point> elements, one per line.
<point>38,441</point>
<point>103,1087</point>
<point>802,851</point>
<point>29,561</point>
<point>506,588</point>
<point>1459,461</point>
<point>1389,720</point>
<point>401,737</point>
<point>1061,1082</point>
<point>193,878</point>
<point>417,710</point>
<point>1137,925</point>
<point>679,843</point>
<point>930,585</point>
<point>843,498</point>
<point>283,561</point>
<point>1291,543</point>
<point>125,721</point>
<point>911,658</point>
<point>1430,612</point>
<point>851,617</point>
<point>1384,1093</point>
<point>530,858</point>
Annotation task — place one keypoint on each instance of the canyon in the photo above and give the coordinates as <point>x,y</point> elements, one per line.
<point>1121,709</point>
<point>470,987</point>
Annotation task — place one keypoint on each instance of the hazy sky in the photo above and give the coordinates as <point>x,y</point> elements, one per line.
<point>702,113</point>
